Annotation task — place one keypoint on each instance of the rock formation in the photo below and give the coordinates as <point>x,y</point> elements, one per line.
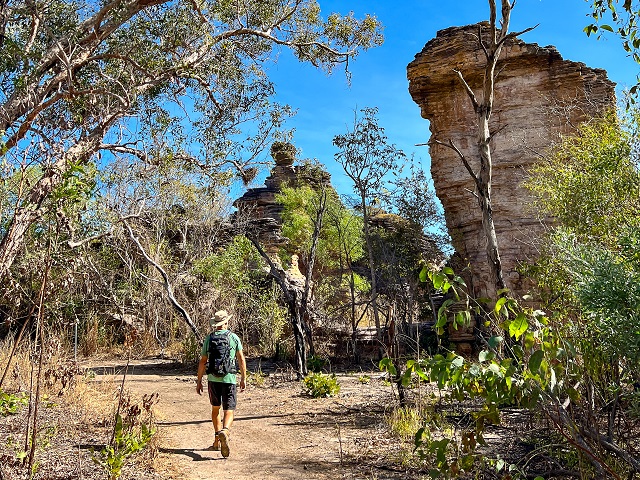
<point>258,206</point>
<point>538,97</point>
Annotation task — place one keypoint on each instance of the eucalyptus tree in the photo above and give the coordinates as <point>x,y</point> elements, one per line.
<point>150,80</point>
<point>366,156</point>
<point>589,275</point>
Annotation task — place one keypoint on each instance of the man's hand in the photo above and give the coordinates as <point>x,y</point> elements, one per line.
<point>199,387</point>
<point>243,384</point>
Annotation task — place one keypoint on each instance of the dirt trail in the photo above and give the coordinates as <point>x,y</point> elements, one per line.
<point>278,433</point>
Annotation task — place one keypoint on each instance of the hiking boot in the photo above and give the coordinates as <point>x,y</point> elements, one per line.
<point>223,436</point>
<point>216,445</point>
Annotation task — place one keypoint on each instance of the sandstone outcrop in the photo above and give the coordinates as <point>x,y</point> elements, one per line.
<point>258,207</point>
<point>538,97</point>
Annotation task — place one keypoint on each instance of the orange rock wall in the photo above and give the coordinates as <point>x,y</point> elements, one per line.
<point>538,97</point>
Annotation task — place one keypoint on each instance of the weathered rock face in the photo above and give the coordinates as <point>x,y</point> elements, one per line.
<point>538,97</point>
<point>259,204</point>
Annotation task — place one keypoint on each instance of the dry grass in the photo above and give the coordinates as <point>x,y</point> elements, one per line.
<point>75,414</point>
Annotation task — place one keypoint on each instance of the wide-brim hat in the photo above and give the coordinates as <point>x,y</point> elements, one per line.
<point>220,318</point>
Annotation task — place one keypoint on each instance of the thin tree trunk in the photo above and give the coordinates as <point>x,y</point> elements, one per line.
<point>292,297</point>
<point>40,341</point>
<point>483,109</point>
<point>372,270</point>
<point>317,227</point>
<point>354,322</point>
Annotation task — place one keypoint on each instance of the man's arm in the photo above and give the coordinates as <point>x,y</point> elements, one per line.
<point>242,365</point>
<point>202,366</point>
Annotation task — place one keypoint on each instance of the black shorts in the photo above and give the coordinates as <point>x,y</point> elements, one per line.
<point>223,394</point>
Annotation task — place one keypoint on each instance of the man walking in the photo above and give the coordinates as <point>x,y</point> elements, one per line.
<point>223,350</point>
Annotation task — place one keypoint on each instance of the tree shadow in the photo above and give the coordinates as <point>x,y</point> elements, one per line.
<point>190,452</point>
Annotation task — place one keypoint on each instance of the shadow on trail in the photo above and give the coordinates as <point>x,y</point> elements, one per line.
<point>171,367</point>
<point>187,422</point>
<point>240,418</point>
<point>189,452</point>
<point>157,367</point>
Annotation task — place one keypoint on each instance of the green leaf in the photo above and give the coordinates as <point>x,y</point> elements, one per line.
<point>499,304</point>
<point>518,326</point>
<point>457,362</point>
<point>438,280</point>
<point>460,281</point>
<point>552,380</point>
<point>424,274</point>
<point>607,28</point>
<point>386,365</point>
<point>535,361</point>
<point>486,355</point>
<point>495,341</point>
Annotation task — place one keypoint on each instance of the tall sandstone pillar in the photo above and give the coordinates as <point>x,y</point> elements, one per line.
<point>538,97</point>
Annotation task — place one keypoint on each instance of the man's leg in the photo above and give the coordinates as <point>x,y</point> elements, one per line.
<point>229,405</point>
<point>215,417</point>
<point>216,401</point>
<point>228,419</point>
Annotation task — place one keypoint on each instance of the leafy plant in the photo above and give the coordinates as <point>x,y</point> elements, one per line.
<point>126,442</point>
<point>131,434</point>
<point>11,403</point>
<point>316,363</point>
<point>319,385</point>
<point>404,421</point>
<point>530,364</point>
<point>257,378</point>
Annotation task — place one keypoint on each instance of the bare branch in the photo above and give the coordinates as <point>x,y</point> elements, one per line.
<point>480,42</point>
<point>492,21</point>
<point>493,134</point>
<point>78,243</point>
<point>453,147</point>
<point>516,34</point>
<point>167,284</point>
<point>472,96</point>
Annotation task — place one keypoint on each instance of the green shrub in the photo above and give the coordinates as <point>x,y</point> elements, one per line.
<point>316,363</point>
<point>318,385</point>
<point>10,403</point>
<point>132,432</point>
<point>126,442</point>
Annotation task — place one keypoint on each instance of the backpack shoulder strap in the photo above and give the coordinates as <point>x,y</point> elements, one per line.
<point>208,341</point>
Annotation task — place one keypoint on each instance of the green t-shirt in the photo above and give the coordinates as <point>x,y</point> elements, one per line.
<point>236,346</point>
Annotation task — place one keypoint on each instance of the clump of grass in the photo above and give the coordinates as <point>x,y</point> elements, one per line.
<point>404,422</point>
<point>257,378</point>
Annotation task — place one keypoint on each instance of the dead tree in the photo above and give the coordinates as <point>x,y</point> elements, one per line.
<point>480,168</point>
<point>293,293</point>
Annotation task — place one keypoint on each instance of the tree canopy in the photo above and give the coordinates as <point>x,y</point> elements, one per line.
<point>85,82</point>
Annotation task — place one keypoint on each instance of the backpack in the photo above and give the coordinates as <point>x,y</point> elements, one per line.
<point>220,360</point>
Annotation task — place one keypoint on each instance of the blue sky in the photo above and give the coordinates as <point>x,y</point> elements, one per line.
<point>325,104</point>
